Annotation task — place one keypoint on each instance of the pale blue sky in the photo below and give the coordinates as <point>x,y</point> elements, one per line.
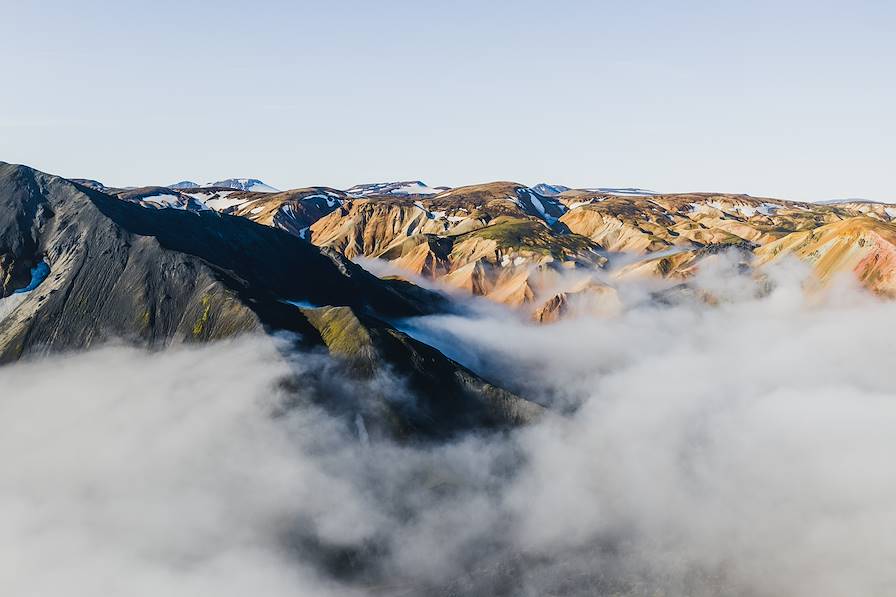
<point>790,99</point>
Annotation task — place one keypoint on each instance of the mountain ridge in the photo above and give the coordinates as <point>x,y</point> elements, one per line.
<point>479,238</point>
<point>117,271</point>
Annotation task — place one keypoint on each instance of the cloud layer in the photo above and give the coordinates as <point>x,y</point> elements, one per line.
<point>737,449</point>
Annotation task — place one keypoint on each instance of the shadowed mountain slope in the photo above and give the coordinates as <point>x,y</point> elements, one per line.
<point>113,270</point>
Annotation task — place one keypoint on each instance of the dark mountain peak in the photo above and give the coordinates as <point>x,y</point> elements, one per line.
<point>81,267</point>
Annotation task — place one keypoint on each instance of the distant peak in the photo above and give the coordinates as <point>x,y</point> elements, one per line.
<point>850,200</point>
<point>244,184</point>
<point>184,184</point>
<point>546,189</point>
<point>633,191</point>
<point>405,187</point>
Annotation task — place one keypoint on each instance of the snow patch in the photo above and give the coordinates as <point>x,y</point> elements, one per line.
<point>629,191</point>
<point>302,304</point>
<point>507,261</point>
<point>417,188</point>
<point>414,187</point>
<point>252,185</point>
<point>332,200</point>
<point>39,273</point>
<point>9,304</point>
<point>165,201</point>
<point>515,201</point>
<point>537,204</point>
<point>222,202</point>
<point>576,204</point>
<point>748,211</point>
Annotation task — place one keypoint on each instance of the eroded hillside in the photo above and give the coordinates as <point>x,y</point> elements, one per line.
<point>81,268</point>
<point>532,247</point>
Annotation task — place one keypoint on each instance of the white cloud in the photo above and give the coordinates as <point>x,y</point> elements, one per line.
<point>741,449</point>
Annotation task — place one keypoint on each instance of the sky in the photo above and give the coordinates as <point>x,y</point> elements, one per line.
<point>784,99</point>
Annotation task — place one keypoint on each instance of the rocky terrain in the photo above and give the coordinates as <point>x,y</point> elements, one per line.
<point>82,264</point>
<point>535,248</point>
<point>80,268</point>
<point>531,247</point>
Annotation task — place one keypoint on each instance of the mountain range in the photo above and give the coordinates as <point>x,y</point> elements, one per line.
<point>82,264</point>
<point>240,184</point>
<point>517,245</point>
<point>80,268</point>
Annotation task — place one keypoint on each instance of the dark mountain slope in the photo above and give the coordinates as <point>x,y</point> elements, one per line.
<point>156,277</point>
<point>439,396</point>
<point>119,270</point>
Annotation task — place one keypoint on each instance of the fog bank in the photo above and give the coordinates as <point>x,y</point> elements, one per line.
<point>736,448</point>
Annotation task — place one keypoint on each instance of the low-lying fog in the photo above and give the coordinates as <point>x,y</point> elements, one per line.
<point>736,449</point>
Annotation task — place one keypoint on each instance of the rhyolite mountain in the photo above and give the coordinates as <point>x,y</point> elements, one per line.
<point>515,245</point>
<point>79,268</point>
